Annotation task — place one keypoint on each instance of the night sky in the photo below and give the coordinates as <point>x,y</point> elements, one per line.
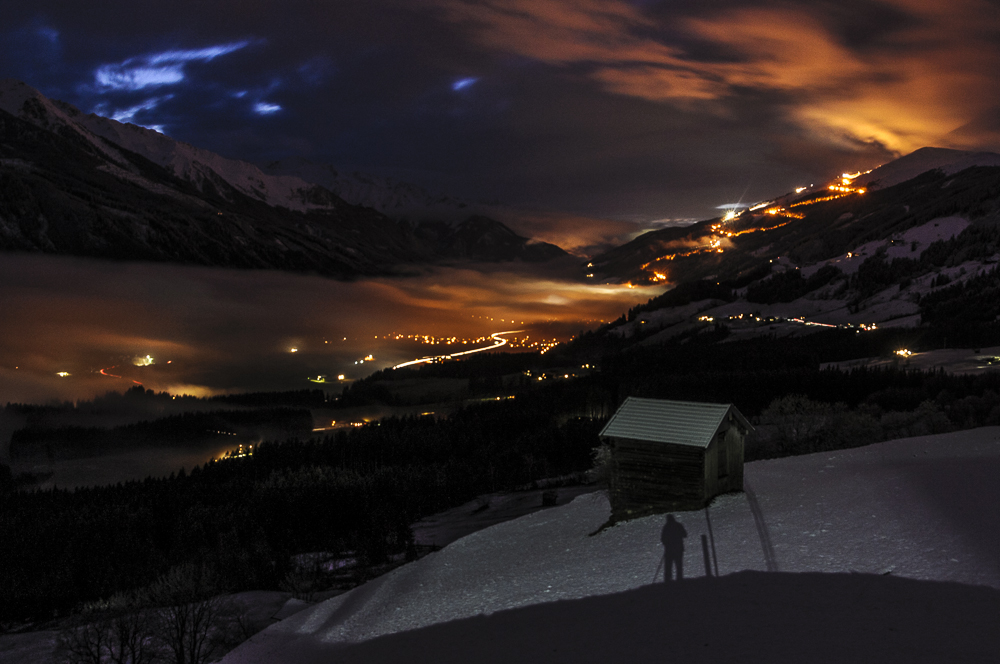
<point>636,110</point>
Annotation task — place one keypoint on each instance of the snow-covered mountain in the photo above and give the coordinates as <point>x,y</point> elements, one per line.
<point>87,185</point>
<point>881,553</point>
<point>185,161</point>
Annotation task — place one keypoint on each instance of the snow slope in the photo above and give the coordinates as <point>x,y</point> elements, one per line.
<point>923,160</point>
<point>888,552</point>
<point>908,244</point>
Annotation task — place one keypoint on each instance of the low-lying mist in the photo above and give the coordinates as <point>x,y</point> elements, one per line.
<point>203,331</point>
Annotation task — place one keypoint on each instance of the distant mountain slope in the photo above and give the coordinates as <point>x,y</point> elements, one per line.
<point>875,552</point>
<point>85,185</point>
<point>923,160</point>
<point>391,198</point>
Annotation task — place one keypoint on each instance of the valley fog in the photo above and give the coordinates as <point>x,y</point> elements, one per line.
<point>75,328</point>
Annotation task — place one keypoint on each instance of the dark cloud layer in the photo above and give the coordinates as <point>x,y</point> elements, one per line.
<point>633,110</point>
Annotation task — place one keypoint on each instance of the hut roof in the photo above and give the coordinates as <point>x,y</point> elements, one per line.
<point>679,422</point>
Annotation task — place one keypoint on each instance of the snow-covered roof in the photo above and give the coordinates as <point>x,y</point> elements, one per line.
<point>662,421</point>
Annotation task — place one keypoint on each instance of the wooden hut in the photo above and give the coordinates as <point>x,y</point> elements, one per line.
<point>672,455</point>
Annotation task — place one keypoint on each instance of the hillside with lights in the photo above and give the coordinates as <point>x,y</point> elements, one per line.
<point>813,224</point>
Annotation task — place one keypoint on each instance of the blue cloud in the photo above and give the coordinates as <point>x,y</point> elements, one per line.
<point>157,69</point>
<point>128,114</point>
<point>264,108</point>
<point>463,83</point>
<point>51,35</point>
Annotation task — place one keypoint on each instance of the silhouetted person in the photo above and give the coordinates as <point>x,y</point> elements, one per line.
<point>673,548</point>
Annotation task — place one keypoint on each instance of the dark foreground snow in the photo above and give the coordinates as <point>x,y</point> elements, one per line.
<point>885,553</point>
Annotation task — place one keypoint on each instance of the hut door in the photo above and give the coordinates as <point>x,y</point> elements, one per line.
<point>722,456</point>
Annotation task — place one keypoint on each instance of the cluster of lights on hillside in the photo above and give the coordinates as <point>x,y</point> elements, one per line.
<point>556,374</point>
<point>142,361</point>
<point>240,452</point>
<point>768,209</point>
<point>799,320</point>
<point>517,341</point>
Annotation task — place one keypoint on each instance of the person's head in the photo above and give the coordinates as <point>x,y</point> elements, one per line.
<point>670,518</point>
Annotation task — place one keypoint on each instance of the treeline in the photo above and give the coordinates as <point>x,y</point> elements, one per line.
<point>134,397</point>
<point>315,398</point>
<point>967,312</point>
<point>795,424</point>
<point>176,430</point>
<point>356,491</point>
<point>979,241</point>
<point>751,373</point>
<point>790,285</point>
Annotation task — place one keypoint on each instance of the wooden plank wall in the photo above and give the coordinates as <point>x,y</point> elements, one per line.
<point>647,478</point>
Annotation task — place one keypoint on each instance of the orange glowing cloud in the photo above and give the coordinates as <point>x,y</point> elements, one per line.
<point>919,80</point>
<point>577,234</point>
<point>561,32</point>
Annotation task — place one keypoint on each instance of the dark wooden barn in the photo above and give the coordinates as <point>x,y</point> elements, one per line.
<point>672,455</point>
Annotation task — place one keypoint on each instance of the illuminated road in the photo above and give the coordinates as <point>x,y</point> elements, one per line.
<point>104,372</point>
<point>497,337</point>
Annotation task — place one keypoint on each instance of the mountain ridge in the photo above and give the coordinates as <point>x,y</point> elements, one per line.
<point>89,186</point>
